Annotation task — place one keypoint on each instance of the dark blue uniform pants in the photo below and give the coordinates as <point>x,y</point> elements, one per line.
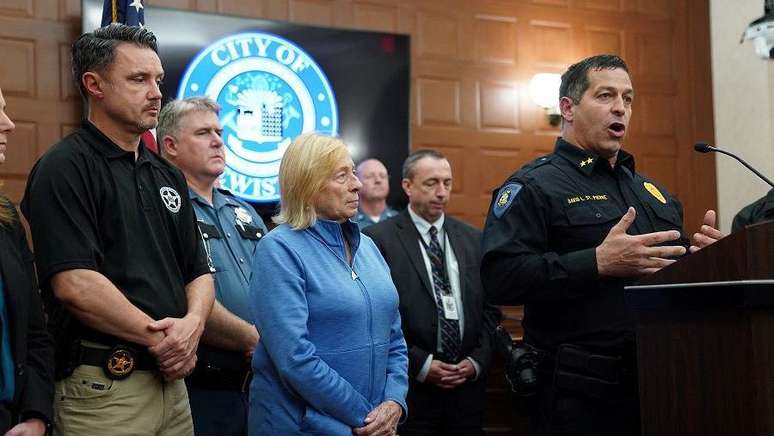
<point>218,412</point>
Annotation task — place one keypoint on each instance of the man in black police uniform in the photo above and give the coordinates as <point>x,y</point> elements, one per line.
<point>118,252</point>
<point>564,235</point>
<point>758,211</point>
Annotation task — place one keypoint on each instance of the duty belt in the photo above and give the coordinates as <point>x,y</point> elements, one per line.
<point>118,361</point>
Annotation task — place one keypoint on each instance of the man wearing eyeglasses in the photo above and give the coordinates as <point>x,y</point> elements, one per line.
<point>373,195</point>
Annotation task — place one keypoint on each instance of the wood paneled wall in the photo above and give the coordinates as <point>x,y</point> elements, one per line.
<point>471,61</point>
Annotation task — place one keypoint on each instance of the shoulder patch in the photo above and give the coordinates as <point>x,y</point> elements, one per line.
<point>505,197</point>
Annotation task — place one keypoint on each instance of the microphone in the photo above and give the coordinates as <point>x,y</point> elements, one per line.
<point>706,148</point>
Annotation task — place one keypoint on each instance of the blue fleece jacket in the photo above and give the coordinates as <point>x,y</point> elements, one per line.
<point>331,345</point>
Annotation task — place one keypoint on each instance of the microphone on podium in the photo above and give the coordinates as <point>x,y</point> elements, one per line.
<point>706,148</point>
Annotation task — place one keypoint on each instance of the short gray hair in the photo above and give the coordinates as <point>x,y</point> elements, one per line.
<point>413,158</point>
<point>96,51</point>
<point>174,111</point>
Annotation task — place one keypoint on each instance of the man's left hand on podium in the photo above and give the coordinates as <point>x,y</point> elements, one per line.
<point>707,234</point>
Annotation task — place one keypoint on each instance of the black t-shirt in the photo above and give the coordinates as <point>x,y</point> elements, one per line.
<point>91,205</point>
<point>540,239</point>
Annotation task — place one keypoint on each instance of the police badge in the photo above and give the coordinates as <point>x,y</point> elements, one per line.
<point>120,363</point>
<point>243,216</point>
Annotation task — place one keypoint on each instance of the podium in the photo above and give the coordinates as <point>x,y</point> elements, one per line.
<point>705,340</point>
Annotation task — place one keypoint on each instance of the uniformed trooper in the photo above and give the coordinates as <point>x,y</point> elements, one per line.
<point>189,133</point>
<point>373,195</point>
<point>564,235</point>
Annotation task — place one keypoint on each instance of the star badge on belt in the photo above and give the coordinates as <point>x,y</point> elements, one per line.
<point>120,363</point>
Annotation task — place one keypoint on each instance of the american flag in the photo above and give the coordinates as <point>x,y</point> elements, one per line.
<point>131,13</point>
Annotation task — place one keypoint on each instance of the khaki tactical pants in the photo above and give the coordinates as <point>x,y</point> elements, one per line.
<point>144,404</point>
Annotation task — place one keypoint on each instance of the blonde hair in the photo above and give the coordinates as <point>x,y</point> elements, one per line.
<point>307,164</point>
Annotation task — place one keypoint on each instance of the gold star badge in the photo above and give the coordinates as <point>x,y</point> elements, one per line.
<point>588,161</point>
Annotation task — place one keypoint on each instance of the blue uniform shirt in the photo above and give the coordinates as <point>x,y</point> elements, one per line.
<point>364,220</point>
<point>231,230</point>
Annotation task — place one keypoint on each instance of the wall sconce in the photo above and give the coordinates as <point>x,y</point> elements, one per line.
<point>544,90</point>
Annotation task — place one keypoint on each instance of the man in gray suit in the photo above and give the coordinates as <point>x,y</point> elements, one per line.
<point>434,260</point>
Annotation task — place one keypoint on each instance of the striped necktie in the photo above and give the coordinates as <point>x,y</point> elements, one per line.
<point>450,328</point>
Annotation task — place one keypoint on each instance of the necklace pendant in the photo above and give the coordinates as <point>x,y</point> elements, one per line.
<point>354,276</point>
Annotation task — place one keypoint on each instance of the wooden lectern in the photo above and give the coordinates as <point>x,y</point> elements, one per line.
<point>705,340</point>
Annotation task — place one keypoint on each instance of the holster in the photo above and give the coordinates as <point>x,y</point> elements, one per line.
<point>589,374</point>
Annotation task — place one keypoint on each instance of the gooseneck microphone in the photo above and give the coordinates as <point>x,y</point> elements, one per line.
<point>706,148</point>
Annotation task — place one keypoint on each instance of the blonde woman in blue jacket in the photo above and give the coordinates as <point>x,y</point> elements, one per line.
<point>332,359</point>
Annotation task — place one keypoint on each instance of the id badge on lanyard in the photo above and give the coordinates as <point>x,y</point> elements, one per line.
<point>447,300</point>
<point>449,307</point>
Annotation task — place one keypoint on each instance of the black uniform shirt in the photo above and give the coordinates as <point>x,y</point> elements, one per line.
<point>758,211</point>
<point>91,205</point>
<point>540,239</point>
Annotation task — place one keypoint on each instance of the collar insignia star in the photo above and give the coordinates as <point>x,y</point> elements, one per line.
<point>137,5</point>
<point>588,161</point>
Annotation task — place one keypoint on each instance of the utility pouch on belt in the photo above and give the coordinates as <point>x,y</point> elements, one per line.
<point>589,374</point>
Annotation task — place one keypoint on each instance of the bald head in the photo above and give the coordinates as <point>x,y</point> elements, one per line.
<point>373,175</point>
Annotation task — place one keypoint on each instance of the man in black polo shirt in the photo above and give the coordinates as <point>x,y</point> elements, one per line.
<point>118,252</point>
<point>564,235</point>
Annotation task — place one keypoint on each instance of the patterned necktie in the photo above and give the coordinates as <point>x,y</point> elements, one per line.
<point>450,328</point>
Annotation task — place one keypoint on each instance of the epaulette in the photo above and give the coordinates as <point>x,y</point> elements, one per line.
<point>225,192</point>
<point>522,173</point>
<point>504,196</point>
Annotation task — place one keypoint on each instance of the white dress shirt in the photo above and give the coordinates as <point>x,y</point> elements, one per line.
<point>453,272</point>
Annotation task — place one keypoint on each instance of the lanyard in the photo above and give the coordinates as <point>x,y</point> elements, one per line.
<point>444,271</point>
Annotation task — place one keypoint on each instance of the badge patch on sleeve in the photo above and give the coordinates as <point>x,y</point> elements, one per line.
<point>505,197</point>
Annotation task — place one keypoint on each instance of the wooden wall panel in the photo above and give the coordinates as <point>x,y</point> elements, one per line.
<point>604,40</point>
<point>471,62</point>
<point>17,8</point>
<point>438,102</point>
<point>551,42</point>
<point>437,35</point>
<point>19,67</point>
<point>495,39</point>
<point>236,7</point>
<point>498,106</point>
<point>315,12</point>
<point>376,17</point>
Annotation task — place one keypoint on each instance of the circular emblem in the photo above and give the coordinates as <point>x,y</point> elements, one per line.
<point>269,91</point>
<point>120,363</point>
<point>654,192</point>
<point>170,198</point>
<point>243,216</point>
<point>504,198</point>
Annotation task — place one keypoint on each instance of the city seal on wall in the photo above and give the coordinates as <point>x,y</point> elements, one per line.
<point>269,91</point>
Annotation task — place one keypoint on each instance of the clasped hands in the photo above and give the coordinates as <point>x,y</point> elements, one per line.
<point>176,352</point>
